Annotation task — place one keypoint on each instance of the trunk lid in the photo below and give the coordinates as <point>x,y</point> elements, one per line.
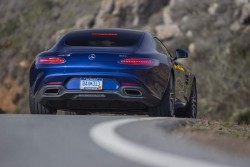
<point>94,57</point>
<point>95,54</point>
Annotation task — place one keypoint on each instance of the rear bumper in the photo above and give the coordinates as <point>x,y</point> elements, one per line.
<point>107,99</point>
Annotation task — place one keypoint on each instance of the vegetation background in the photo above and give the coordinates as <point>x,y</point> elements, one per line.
<point>215,32</point>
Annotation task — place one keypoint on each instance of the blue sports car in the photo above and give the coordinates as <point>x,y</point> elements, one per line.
<point>112,69</point>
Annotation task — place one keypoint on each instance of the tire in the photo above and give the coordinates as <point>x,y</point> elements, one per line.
<point>166,107</point>
<point>191,107</point>
<point>37,108</point>
<point>71,113</point>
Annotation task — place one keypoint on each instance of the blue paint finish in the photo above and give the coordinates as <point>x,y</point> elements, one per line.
<point>106,64</point>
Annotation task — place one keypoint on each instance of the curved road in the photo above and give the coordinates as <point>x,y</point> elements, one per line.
<point>102,141</point>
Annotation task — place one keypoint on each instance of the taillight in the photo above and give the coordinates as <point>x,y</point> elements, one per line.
<point>50,60</point>
<point>139,61</point>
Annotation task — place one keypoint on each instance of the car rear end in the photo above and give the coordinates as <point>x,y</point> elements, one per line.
<point>96,69</point>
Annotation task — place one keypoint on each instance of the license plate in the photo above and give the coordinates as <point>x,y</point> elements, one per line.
<point>91,84</point>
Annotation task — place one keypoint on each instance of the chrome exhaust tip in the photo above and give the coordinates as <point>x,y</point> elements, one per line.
<point>133,92</point>
<point>52,91</point>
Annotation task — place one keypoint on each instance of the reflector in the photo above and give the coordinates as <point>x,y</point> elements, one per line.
<point>54,83</point>
<point>129,84</point>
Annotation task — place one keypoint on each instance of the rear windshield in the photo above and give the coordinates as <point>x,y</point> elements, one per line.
<point>103,39</point>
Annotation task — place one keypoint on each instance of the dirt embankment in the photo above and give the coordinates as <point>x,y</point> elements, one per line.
<point>229,137</point>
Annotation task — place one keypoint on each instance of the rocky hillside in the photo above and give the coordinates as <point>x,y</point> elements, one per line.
<point>216,33</point>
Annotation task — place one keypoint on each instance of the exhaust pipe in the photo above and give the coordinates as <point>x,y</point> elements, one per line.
<point>52,91</point>
<point>133,92</point>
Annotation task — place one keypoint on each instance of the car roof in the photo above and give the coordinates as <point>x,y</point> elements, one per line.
<point>106,30</point>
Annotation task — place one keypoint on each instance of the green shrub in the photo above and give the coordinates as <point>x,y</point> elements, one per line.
<point>241,116</point>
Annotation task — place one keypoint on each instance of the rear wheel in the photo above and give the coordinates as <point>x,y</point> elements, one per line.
<point>166,107</point>
<point>37,108</point>
<point>71,113</point>
<point>191,107</point>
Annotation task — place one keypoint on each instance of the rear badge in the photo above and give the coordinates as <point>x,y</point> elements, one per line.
<point>92,57</point>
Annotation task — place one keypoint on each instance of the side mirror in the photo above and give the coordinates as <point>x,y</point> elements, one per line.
<point>180,53</point>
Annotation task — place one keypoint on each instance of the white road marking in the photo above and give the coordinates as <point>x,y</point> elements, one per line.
<point>104,135</point>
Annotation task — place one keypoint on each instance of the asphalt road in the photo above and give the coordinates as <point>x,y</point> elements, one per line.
<point>102,141</point>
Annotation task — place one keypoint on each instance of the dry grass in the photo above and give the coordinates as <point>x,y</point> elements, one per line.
<point>219,135</point>
<point>10,94</point>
